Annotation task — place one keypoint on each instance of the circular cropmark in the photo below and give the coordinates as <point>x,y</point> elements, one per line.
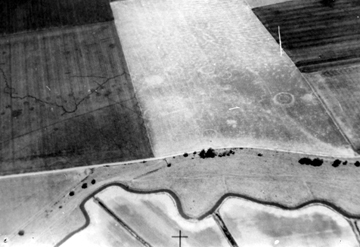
<point>284,98</point>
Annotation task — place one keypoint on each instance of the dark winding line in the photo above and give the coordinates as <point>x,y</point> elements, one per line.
<point>9,90</point>
<point>211,211</point>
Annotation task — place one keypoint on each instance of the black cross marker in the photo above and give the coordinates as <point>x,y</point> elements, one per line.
<point>180,237</point>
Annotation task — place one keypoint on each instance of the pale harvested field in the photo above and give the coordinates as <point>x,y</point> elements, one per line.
<point>66,100</point>
<point>258,225</point>
<point>152,218</point>
<point>155,217</point>
<point>210,74</point>
<point>103,231</point>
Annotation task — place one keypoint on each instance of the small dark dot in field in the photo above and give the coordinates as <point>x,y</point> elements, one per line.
<point>84,186</point>
<point>304,161</point>
<point>259,155</point>
<point>317,162</point>
<point>21,233</point>
<point>357,164</point>
<point>345,162</point>
<point>71,193</point>
<point>336,163</point>
<point>168,165</point>
<point>107,93</point>
<point>194,152</point>
<point>186,155</point>
<point>31,108</point>
<point>93,181</point>
<point>16,113</point>
<point>60,207</point>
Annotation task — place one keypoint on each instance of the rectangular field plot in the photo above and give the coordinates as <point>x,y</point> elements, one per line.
<point>255,225</point>
<point>316,34</point>
<point>340,90</point>
<point>66,100</point>
<point>20,15</point>
<point>208,74</point>
<point>103,230</point>
<point>155,217</point>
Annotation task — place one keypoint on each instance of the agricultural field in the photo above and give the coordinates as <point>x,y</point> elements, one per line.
<point>324,46</point>
<point>67,100</point>
<point>151,218</point>
<point>213,76</point>
<point>25,16</point>
<point>56,210</point>
<point>103,230</point>
<point>258,225</point>
<point>178,123</point>
<point>340,90</point>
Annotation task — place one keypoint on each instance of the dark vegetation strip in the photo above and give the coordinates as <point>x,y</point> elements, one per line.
<point>310,8</point>
<point>307,161</point>
<point>321,66</point>
<point>311,13</point>
<point>28,15</point>
<point>211,211</point>
<point>225,230</point>
<point>319,162</point>
<point>306,32</point>
<point>316,162</point>
<point>122,223</point>
<point>329,60</point>
<point>327,29</point>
